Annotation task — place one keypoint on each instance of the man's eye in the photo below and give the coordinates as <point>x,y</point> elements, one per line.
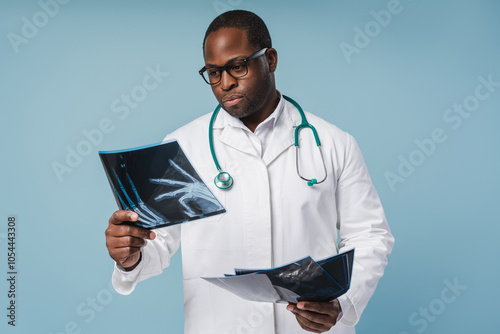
<point>213,72</point>
<point>237,66</point>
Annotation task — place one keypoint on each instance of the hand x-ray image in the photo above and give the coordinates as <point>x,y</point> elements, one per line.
<point>159,183</point>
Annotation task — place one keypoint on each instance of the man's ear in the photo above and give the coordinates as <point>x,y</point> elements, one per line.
<point>272,59</point>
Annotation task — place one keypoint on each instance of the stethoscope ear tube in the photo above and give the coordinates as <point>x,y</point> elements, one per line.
<point>305,124</point>
<point>310,182</point>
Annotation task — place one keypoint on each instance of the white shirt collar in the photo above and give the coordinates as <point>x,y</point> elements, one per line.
<point>236,122</point>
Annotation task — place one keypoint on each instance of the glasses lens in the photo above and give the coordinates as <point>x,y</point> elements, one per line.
<point>237,68</point>
<point>211,75</point>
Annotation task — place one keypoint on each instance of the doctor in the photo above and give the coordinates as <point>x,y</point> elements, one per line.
<point>273,216</point>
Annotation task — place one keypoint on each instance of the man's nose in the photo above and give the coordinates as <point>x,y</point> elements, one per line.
<point>227,81</point>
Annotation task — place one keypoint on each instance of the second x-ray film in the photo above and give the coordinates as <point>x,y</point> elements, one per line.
<point>302,280</point>
<point>160,184</point>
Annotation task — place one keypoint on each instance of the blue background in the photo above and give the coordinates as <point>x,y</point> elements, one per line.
<point>64,78</point>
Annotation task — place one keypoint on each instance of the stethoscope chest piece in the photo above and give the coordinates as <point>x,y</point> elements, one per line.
<point>223,181</point>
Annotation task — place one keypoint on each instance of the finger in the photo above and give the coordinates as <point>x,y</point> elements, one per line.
<point>306,326</point>
<point>129,241</point>
<point>121,216</point>
<point>316,320</point>
<point>318,307</point>
<point>129,230</point>
<point>313,319</point>
<point>123,253</point>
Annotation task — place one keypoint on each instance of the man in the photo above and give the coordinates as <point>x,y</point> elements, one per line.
<point>273,217</point>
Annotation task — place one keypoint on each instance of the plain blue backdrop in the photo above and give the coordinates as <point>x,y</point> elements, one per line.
<point>390,81</point>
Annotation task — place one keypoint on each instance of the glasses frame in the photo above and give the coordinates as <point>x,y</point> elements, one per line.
<point>221,69</point>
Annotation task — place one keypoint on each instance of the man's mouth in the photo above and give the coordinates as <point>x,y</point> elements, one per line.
<point>231,100</point>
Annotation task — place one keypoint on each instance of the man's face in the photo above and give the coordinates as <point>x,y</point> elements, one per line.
<point>247,95</point>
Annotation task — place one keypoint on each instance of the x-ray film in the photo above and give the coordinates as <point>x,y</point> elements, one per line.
<point>302,280</point>
<point>160,184</point>
<point>339,267</point>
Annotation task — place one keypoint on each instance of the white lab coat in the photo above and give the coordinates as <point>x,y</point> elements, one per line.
<point>273,217</point>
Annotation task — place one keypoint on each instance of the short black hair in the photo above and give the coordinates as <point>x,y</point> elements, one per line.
<point>256,29</point>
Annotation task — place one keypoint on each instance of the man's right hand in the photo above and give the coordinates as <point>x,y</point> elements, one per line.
<point>124,242</point>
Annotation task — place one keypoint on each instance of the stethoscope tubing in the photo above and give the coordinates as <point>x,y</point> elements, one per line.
<point>223,180</point>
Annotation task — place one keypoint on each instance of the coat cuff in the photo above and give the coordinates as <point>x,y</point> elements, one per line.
<point>124,281</point>
<point>348,315</point>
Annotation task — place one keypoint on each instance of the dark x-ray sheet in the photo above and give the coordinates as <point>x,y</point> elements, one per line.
<point>302,280</point>
<point>160,184</point>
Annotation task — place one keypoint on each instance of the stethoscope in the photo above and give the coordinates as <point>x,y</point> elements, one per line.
<point>224,181</point>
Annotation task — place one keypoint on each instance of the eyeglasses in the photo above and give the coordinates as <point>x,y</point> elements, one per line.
<point>236,68</point>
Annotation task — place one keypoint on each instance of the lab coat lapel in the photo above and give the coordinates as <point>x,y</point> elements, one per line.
<point>283,134</point>
<point>233,136</point>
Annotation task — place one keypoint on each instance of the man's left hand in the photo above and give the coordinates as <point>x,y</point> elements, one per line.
<point>316,317</point>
